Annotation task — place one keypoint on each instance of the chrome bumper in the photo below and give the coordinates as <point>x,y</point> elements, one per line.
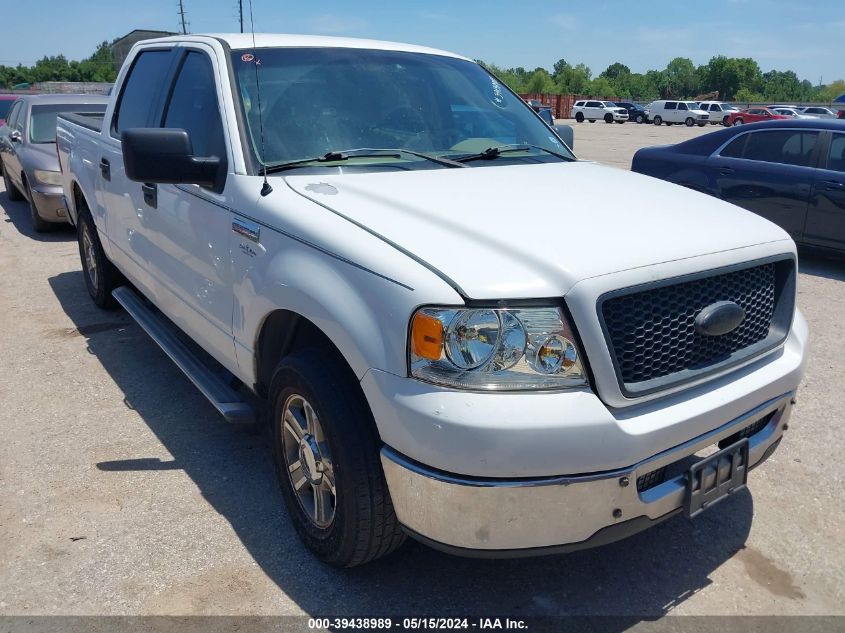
<point>492,517</point>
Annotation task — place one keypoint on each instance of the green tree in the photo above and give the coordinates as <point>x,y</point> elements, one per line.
<point>681,78</point>
<point>615,71</point>
<point>729,74</point>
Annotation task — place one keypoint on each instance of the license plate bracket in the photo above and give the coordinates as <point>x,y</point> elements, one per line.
<point>716,477</point>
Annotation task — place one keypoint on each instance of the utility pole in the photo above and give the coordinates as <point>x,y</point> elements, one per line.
<point>241,13</point>
<point>182,15</point>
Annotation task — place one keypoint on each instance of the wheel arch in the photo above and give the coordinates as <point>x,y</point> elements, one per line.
<point>282,333</point>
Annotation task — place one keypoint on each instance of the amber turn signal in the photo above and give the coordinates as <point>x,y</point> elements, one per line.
<point>426,336</point>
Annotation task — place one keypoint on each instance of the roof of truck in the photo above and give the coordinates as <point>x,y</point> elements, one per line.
<point>280,40</point>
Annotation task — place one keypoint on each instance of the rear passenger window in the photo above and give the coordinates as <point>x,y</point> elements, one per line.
<point>193,106</point>
<point>735,147</point>
<point>836,158</point>
<point>141,90</point>
<point>670,105</point>
<point>682,106</point>
<point>787,147</point>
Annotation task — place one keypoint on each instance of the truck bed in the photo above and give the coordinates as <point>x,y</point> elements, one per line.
<point>90,120</point>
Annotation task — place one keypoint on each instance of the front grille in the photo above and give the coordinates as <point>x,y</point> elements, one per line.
<point>652,336</point>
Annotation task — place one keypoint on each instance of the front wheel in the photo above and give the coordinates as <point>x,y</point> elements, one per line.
<point>620,122</point>
<point>726,122</point>
<point>40,225</point>
<point>101,276</point>
<point>738,122</point>
<point>640,118</point>
<point>608,118</point>
<point>658,120</point>
<point>326,451</point>
<point>11,190</point>
<point>579,117</point>
<point>689,121</point>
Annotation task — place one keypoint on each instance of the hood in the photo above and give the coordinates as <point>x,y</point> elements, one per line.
<point>40,156</point>
<point>534,231</point>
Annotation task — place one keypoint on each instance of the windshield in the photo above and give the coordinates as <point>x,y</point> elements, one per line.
<point>320,100</point>
<point>42,121</point>
<point>5,106</point>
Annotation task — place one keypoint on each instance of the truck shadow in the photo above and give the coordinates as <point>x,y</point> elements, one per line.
<point>643,577</point>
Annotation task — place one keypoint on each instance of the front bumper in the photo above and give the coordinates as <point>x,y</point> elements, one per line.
<point>49,203</point>
<point>519,517</point>
<point>620,117</point>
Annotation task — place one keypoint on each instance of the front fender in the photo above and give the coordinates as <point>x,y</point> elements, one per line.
<point>363,312</point>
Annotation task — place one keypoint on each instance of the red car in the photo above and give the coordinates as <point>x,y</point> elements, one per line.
<point>6,102</point>
<point>753,115</point>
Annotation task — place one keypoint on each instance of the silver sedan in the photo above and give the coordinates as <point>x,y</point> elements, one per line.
<point>28,156</point>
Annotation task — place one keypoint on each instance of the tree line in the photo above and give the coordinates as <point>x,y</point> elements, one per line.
<point>735,78</point>
<point>99,67</point>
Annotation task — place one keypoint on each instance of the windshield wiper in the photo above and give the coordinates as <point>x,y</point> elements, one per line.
<point>338,156</point>
<point>494,152</point>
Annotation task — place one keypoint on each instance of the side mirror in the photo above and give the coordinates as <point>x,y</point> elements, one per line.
<point>166,156</point>
<point>566,134</point>
<point>15,136</point>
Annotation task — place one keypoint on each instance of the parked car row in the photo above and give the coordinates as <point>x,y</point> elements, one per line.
<point>791,172</point>
<point>690,113</point>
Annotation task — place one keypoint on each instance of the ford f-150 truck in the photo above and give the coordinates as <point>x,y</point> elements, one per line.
<point>457,333</point>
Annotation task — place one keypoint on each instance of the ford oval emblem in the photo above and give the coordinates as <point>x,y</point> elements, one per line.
<point>719,318</point>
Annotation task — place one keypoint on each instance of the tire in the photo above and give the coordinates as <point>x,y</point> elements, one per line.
<point>362,525</point>
<point>11,191</point>
<point>689,121</point>
<point>620,122</point>
<point>640,118</point>
<point>101,276</point>
<point>608,118</point>
<point>725,122</point>
<point>658,120</point>
<point>701,124</point>
<point>592,120</point>
<point>579,116</point>
<point>38,224</point>
<point>668,123</point>
<point>738,121</point>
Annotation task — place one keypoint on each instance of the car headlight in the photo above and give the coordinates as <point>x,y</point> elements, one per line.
<point>48,177</point>
<point>495,349</point>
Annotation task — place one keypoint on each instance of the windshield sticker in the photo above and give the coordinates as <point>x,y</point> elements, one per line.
<point>554,140</point>
<point>498,94</point>
<point>247,57</point>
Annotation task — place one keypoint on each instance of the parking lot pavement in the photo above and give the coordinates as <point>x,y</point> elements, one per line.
<point>123,492</point>
<point>615,144</point>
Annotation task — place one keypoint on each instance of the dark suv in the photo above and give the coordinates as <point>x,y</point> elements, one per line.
<point>636,113</point>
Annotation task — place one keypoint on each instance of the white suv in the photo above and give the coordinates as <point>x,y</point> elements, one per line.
<point>717,111</point>
<point>670,112</point>
<point>595,110</point>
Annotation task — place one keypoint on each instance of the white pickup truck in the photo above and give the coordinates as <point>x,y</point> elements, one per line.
<point>461,332</point>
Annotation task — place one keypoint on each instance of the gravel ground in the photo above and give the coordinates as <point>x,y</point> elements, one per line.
<point>123,492</point>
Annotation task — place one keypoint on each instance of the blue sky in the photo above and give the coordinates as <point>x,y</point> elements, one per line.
<point>787,35</point>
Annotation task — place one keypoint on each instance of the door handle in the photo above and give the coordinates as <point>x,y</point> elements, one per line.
<point>150,194</point>
<point>834,185</point>
<point>726,171</point>
<point>105,169</point>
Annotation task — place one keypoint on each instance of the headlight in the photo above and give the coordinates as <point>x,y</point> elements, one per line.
<point>495,349</point>
<point>48,177</point>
